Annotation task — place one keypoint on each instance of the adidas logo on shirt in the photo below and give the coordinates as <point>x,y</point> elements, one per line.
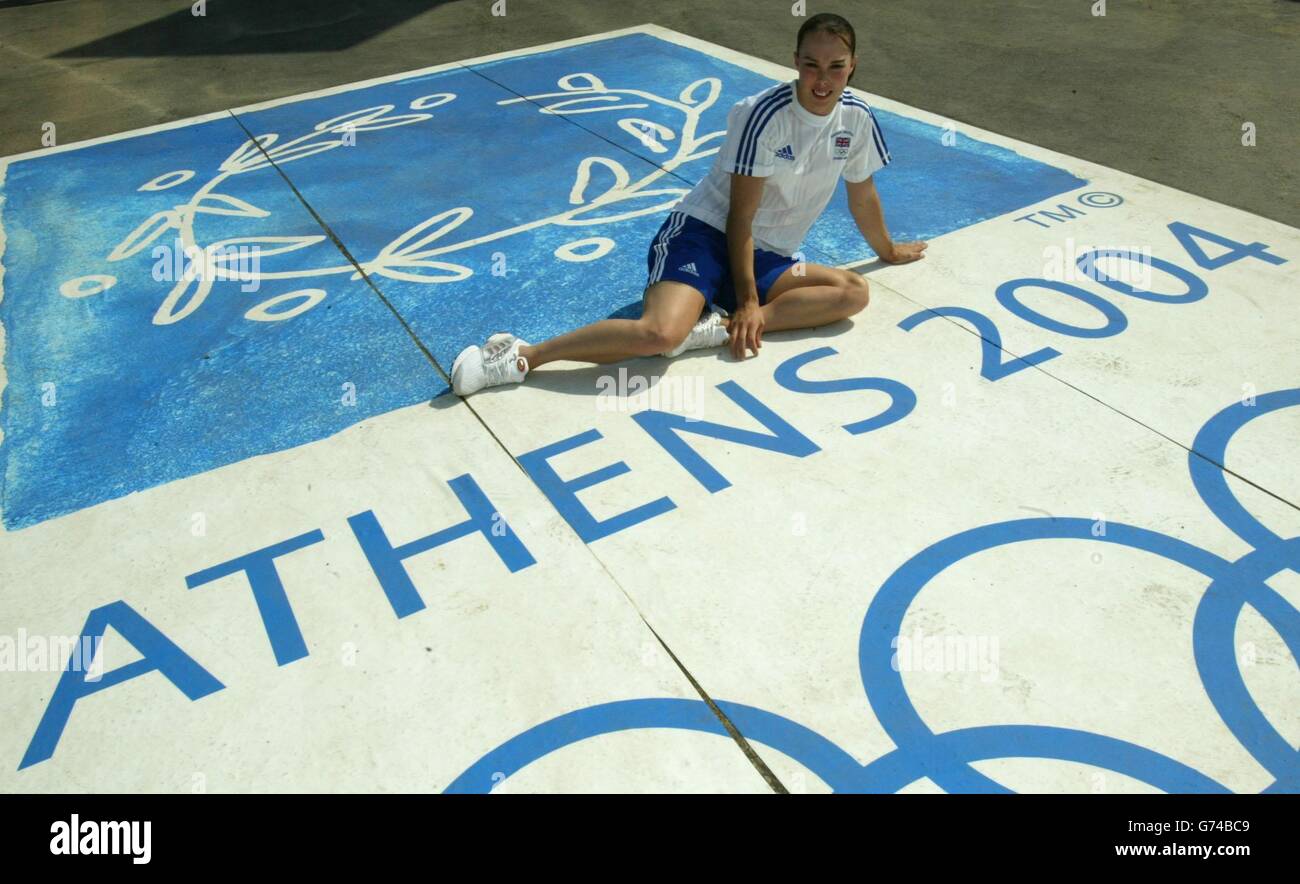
<point>689,268</point>
<point>785,153</point>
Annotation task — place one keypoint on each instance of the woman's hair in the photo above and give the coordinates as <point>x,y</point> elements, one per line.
<point>830,23</point>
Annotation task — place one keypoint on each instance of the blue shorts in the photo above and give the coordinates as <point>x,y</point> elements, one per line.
<point>688,250</point>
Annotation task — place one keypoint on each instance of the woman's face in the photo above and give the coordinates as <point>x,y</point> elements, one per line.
<point>824,66</point>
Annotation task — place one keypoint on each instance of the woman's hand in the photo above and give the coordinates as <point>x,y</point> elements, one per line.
<point>746,329</point>
<point>905,252</point>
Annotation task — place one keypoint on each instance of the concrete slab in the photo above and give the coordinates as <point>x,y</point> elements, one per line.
<point>1165,306</point>
<point>289,648</point>
<point>1039,568</point>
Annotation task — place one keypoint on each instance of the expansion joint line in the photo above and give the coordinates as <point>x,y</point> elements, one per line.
<point>730,727</point>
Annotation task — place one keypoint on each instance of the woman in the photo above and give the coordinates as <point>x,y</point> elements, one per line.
<point>726,247</point>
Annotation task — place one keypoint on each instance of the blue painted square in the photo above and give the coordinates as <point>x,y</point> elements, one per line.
<point>520,194</point>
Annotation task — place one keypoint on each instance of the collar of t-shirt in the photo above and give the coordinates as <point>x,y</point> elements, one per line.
<point>805,116</point>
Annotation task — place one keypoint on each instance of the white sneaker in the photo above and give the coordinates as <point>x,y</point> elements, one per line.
<point>496,362</point>
<point>708,332</point>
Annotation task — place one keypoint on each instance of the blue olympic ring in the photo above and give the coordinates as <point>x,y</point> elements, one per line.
<point>945,758</point>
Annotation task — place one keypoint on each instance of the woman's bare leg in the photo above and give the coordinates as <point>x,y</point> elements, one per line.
<point>669,310</point>
<point>820,296</point>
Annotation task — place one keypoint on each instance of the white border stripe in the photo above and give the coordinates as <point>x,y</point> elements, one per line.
<point>652,30</point>
<point>661,244</point>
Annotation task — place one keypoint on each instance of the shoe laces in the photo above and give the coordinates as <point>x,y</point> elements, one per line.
<point>706,325</point>
<point>496,345</point>
<point>499,359</point>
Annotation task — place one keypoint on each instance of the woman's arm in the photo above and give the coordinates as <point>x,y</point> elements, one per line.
<point>864,206</point>
<point>746,327</point>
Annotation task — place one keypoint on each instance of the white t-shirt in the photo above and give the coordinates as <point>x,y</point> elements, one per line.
<point>801,154</point>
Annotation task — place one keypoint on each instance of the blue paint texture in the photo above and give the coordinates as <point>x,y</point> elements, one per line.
<point>438,159</point>
<point>134,404</point>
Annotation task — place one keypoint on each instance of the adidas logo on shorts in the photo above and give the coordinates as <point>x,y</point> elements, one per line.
<point>689,268</point>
